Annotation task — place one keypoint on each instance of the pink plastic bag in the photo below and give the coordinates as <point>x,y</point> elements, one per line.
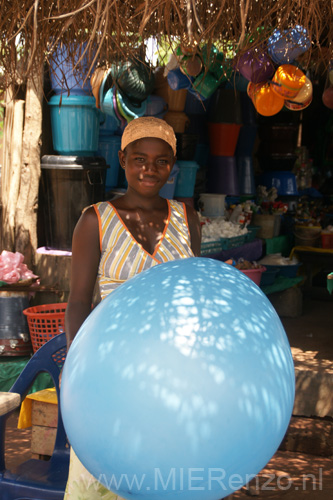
<point>12,268</point>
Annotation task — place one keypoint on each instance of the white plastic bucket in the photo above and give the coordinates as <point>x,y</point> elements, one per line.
<point>212,205</point>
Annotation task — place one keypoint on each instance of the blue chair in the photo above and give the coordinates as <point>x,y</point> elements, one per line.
<point>38,479</point>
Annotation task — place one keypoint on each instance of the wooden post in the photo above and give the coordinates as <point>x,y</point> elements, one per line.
<point>27,203</point>
<point>11,170</point>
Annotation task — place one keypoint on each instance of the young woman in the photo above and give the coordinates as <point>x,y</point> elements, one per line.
<point>114,241</point>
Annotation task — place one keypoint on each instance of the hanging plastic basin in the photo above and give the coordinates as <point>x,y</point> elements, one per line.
<point>129,109</point>
<point>75,125</point>
<point>108,147</point>
<point>186,178</point>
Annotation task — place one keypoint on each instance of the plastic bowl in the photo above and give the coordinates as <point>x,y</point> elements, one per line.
<point>288,271</point>
<point>284,182</point>
<point>268,277</point>
<point>254,274</point>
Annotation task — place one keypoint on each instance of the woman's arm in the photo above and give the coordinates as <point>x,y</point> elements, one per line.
<point>85,260</point>
<point>195,230</point>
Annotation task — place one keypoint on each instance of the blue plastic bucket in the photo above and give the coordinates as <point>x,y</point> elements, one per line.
<point>178,80</point>
<point>109,125</point>
<point>75,125</point>
<point>168,190</point>
<point>108,147</point>
<point>63,74</point>
<point>186,178</point>
<point>245,173</point>
<point>246,140</point>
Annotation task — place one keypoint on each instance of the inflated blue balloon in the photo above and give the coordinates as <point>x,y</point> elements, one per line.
<point>180,384</point>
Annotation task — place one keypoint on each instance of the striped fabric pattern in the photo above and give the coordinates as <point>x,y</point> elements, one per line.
<point>122,257</point>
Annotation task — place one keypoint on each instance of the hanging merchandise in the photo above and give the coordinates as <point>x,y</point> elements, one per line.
<point>265,100</point>
<point>68,67</point>
<point>327,97</point>
<point>177,80</point>
<point>288,81</point>
<point>285,46</point>
<point>216,63</point>
<point>255,65</point>
<point>303,99</point>
<point>136,81</point>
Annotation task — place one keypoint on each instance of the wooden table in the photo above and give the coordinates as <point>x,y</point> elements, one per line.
<point>9,401</point>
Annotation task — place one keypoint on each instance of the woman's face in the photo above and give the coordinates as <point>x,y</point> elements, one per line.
<point>147,163</point>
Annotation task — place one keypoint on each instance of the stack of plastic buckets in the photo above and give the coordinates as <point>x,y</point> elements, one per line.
<point>245,146</point>
<point>185,184</point>
<point>108,146</point>
<point>74,116</point>
<point>74,177</point>
<point>224,124</point>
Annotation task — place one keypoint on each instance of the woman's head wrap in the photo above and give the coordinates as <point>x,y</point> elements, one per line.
<point>148,126</point>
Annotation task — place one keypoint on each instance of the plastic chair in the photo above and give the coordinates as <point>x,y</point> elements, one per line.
<point>38,479</point>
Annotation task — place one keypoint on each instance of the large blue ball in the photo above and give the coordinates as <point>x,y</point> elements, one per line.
<point>180,384</point>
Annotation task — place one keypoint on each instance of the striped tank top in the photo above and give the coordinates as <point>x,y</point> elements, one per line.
<point>122,257</point>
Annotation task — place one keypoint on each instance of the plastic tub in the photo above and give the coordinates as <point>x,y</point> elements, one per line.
<point>212,205</point>
<point>269,225</point>
<point>75,125</point>
<point>68,185</point>
<point>108,148</point>
<point>222,175</point>
<point>254,274</point>
<point>246,140</point>
<point>108,125</point>
<point>223,138</point>
<point>268,277</point>
<point>186,179</point>
<point>245,173</point>
<point>225,107</point>
<point>63,74</point>
<point>308,236</point>
<point>284,182</point>
<point>168,190</point>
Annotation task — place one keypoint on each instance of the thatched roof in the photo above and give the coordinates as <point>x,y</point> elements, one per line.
<point>118,29</point>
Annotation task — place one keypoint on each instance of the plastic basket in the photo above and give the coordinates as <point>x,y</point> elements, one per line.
<point>235,241</point>
<point>209,247</point>
<point>252,233</point>
<point>45,322</point>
